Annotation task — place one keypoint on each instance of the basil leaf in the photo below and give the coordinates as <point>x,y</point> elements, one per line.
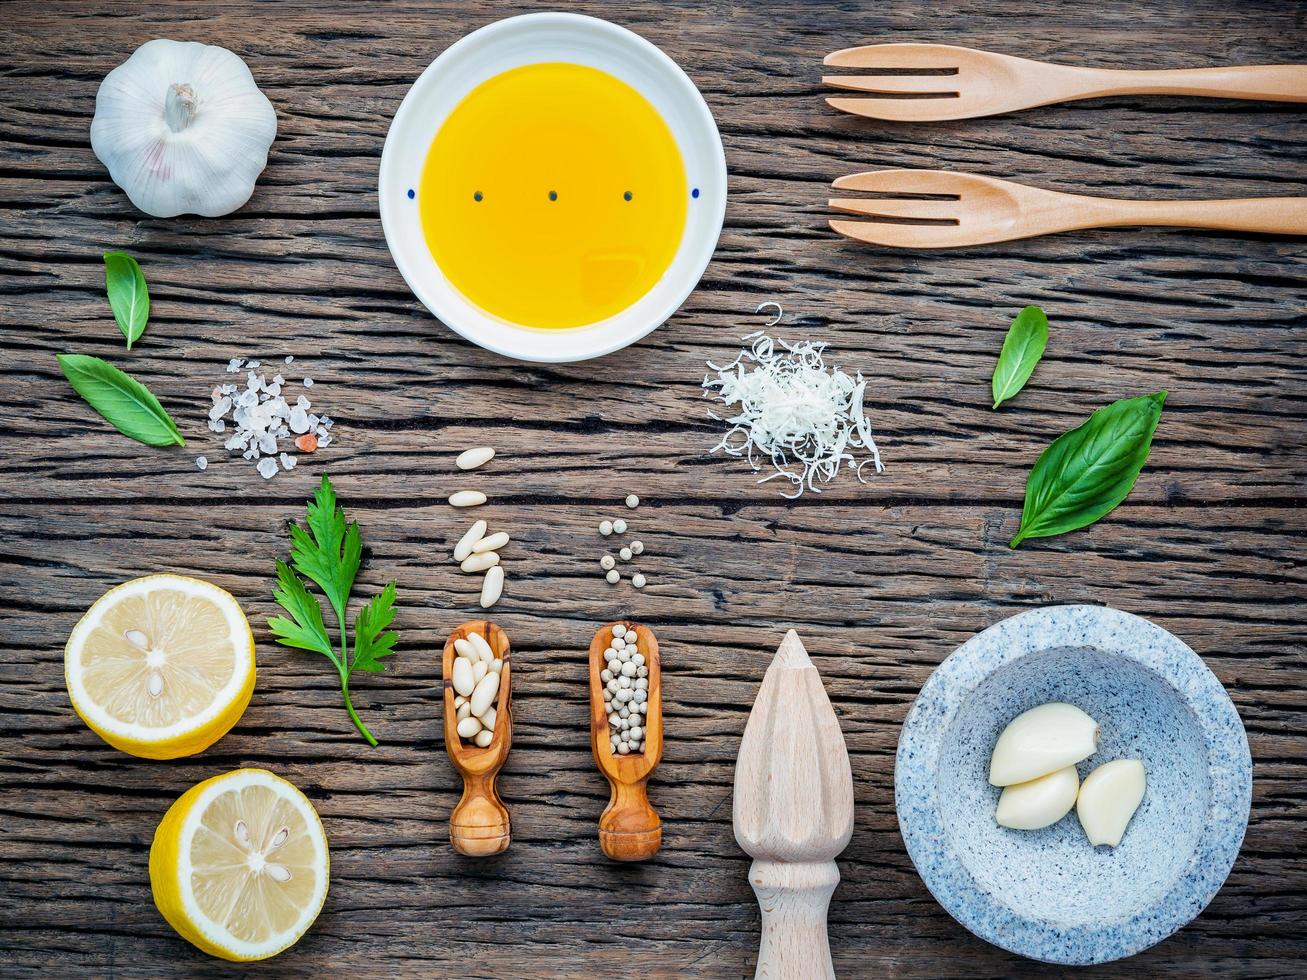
<point>1089,470</point>
<point>1022,349</point>
<point>127,404</point>
<point>128,297</point>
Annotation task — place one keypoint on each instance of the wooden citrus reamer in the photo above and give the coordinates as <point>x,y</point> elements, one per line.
<point>793,812</point>
<point>479,825</point>
<point>629,829</point>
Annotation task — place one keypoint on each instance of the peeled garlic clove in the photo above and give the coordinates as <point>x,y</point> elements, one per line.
<point>1039,802</point>
<point>1042,740</point>
<point>1109,798</point>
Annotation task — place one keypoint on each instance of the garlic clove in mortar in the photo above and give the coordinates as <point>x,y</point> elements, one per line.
<point>183,128</point>
<point>1108,800</point>
<point>1039,802</point>
<point>1042,740</point>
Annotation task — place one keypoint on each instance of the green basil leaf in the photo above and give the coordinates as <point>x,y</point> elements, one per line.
<point>1022,349</point>
<point>126,403</point>
<point>1088,471</point>
<point>128,297</point>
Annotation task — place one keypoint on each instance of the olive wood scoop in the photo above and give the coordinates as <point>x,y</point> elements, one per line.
<point>479,825</point>
<point>944,209</point>
<point>793,813</point>
<point>629,828</point>
<point>963,83</point>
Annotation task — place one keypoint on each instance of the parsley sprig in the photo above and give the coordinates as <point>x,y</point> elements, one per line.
<point>328,554</point>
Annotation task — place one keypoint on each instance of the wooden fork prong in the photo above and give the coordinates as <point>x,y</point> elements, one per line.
<point>901,235</point>
<point>901,182</point>
<point>897,56</point>
<point>943,85</point>
<point>904,110</point>
<point>882,207</point>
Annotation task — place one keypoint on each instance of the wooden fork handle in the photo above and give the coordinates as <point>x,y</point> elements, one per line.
<point>1273,83</point>
<point>1271,215</point>
<point>629,828</point>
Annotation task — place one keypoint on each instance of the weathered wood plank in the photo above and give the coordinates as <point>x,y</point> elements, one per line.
<point>883,580</point>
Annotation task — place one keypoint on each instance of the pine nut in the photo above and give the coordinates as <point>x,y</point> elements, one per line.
<point>474,534</point>
<point>477,642</point>
<point>493,586</point>
<point>467,498</point>
<point>492,543</point>
<point>470,459</point>
<point>481,562</point>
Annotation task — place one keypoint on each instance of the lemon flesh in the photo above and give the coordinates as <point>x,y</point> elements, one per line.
<point>161,666</point>
<point>239,865</point>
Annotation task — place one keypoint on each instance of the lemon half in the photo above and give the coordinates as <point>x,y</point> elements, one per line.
<point>161,666</point>
<point>239,865</point>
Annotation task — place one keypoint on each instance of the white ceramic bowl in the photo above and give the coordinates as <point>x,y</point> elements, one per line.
<point>526,40</point>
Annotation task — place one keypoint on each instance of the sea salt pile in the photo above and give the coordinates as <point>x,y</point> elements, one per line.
<point>261,416</point>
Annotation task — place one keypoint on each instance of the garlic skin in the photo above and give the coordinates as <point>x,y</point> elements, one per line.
<point>1108,800</point>
<point>183,129</point>
<point>1040,802</point>
<point>1042,740</point>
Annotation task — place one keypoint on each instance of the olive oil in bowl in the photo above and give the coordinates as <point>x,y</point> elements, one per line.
<point>553,196</point>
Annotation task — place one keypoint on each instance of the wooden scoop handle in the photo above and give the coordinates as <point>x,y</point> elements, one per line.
<point>479,824</point>
<point>794,899</point>
<point>629,828</point>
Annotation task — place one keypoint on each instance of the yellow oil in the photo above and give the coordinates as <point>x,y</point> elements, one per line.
<point>553,196</point>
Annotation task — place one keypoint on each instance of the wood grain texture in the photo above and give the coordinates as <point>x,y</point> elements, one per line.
<point>881,580</point>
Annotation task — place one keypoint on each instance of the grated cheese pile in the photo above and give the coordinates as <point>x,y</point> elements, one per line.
<point>804,417</point>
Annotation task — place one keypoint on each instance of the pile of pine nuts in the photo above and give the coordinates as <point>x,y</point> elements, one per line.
<point>476,674</point>
<point>476,551</point>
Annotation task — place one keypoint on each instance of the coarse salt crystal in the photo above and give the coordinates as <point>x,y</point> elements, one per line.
<point>289,358</point>
<point>308,382</point>
<point>201,463</point>
<point>234,365</point>
<point>299,420</point>
<point>267,467</point>
<point>288,462</point>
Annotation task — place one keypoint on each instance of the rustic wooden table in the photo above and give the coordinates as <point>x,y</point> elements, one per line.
<point>883,580</point>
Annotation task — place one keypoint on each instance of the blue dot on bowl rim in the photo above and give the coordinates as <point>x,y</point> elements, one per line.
<point>412,193</point>
<point>695,192</point>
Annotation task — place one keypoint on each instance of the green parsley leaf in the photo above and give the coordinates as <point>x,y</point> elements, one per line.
<point>328,554</point>
<point>372,640</point>
<point>307,631</point>
<point>330,557</point>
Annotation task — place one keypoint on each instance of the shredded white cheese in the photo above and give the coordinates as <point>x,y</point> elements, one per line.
<point>806,418</point>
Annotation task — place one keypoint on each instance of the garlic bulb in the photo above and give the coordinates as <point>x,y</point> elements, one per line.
<point>183,129</point>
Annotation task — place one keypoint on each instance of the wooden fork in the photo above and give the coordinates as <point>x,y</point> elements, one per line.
<point>968,209</point>
<point>963,83</point>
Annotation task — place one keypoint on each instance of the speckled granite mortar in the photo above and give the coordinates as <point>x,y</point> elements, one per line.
<point>1048,894</point>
